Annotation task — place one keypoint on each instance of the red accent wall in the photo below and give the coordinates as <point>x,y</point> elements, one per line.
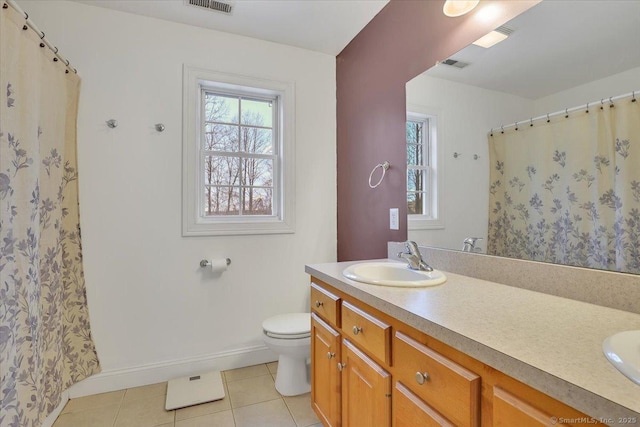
<point>406,38</point>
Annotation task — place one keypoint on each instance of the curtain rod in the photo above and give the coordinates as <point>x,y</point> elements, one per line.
<point>604,101</point>
<point>40,33</point>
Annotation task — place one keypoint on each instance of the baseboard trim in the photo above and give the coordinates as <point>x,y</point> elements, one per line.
<point>119,379</point>
<point>53,416</point>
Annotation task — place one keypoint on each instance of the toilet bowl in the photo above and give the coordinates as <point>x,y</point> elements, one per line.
<point>289,335</point>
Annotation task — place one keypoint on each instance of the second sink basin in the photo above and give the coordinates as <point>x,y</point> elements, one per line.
<point>392,274</point>
<point>623,351</point>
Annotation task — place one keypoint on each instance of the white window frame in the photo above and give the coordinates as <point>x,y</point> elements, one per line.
<point>195,82</point>
<point>434,219</point>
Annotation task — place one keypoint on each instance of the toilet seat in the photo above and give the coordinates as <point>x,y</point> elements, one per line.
<point>288,326</point>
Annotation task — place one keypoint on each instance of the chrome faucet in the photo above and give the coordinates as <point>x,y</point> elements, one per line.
<point>469,244</point>
<point>413,257</point>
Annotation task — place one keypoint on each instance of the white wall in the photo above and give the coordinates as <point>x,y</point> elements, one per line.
<point>466,114</point>
<point>154,313</point>
<point>617,84</point>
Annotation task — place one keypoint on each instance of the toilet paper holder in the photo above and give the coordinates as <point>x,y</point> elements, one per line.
<point>207,263</point>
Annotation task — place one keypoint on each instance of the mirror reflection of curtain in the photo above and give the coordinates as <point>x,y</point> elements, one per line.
<point>568,191</point>
<point>45,339</point>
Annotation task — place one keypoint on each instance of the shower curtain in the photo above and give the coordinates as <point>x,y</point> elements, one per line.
<point>568,191</point>
<point>45,339</point>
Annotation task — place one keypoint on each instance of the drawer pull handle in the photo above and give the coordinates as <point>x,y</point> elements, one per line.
<point>319,304</point>
<point>421,377</point>
<point>341,366</point>
<point>330,355</point>
<point>356,330</point>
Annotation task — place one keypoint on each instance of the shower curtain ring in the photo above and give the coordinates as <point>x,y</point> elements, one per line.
<point>531,122</point>
<point>602,103</point>
<point>501,129</point>
<point>566,113</point>
<point>42,36</point>
<point>633,96</point>
<point>587,107</point>
<point>610,103</point>
<point>548,119</point>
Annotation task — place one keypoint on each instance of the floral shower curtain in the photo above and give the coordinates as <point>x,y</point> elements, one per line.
<point>45,340</point>
<point>568,191</point>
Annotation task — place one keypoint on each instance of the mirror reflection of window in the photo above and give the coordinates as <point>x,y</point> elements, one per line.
<point>417,164</point>
<point>422,190</point>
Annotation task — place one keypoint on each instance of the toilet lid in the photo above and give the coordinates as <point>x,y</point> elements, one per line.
<point>288,326</point>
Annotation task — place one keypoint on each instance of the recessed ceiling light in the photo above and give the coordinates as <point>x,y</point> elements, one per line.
<point>490,39</point>
<point>494,37</point>
<point>455,8</point>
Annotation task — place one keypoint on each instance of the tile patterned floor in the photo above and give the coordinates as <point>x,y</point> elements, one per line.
<point>251,401</point>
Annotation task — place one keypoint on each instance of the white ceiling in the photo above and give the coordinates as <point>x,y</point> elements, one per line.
<point>321,25</point>
<point>556,45</point>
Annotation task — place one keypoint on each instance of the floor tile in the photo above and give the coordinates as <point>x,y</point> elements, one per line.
<point>252,390</point>
<point>248,372</point>
<point>300,408</point>
<point>93,401</point>
<point>97,417</point>
<point>166,425</point>
<point>272,367</point>
<point>219,419</point>
<point>266,414</point>
<point>147,412</point>
<point>145,391</point>
<point>205,408</point>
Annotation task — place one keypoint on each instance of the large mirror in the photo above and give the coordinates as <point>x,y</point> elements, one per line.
<point>558,55</point>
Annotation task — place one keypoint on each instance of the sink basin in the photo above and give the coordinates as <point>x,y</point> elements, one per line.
<point>623,351</point>
<point>392,274</point>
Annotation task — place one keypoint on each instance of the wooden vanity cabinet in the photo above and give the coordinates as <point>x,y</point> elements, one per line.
<point>371,370</point>
<point>366,390</point>
<point>325,377</point>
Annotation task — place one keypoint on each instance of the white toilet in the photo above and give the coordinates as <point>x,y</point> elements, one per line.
<point>289,335</point>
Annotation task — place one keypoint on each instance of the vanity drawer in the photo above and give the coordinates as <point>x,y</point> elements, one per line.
<point>449,388</point>
<point>409,410</point>
<point>325,304</point>
<point>373,335</point>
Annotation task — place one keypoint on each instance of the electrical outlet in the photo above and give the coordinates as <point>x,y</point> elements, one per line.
<point>394,223</point>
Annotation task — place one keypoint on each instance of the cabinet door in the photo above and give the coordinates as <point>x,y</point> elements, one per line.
<point>325,377</point>
<point>410,411</point>
<point>366,390</point>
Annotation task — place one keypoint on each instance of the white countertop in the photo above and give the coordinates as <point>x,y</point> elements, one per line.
<point>551,343</point>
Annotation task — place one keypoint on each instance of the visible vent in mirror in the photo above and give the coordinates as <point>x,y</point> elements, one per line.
<point>215,5</point>
<point>454,63</point>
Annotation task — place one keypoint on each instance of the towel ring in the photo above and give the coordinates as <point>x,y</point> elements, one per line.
<point>384,167</point>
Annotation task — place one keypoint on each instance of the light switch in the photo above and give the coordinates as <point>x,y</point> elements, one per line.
<point>393,219</point>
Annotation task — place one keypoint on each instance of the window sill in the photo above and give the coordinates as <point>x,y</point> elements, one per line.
<point>418,223</point>
<point>237,228</point>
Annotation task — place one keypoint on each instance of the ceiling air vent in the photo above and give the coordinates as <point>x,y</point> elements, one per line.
<point>214,5</point>
<point>504,30</point>
<point>454,63</point>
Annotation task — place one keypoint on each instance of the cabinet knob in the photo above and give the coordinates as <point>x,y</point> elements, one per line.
<point>356,330</point>
<point>319,304</point>
<point>421,377</point>
<point>341,366</point>
<point>330,355</point>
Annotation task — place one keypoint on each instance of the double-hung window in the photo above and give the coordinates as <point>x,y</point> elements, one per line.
<point>422,172</point>
<point>238,155</point>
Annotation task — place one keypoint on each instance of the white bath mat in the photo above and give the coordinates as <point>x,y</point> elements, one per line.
<point>193,390</point>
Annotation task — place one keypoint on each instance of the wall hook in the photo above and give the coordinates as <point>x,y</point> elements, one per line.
<point>456,155</point>
<point>476,157</point>
<point>160,127</point>
<point>112,123</point>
